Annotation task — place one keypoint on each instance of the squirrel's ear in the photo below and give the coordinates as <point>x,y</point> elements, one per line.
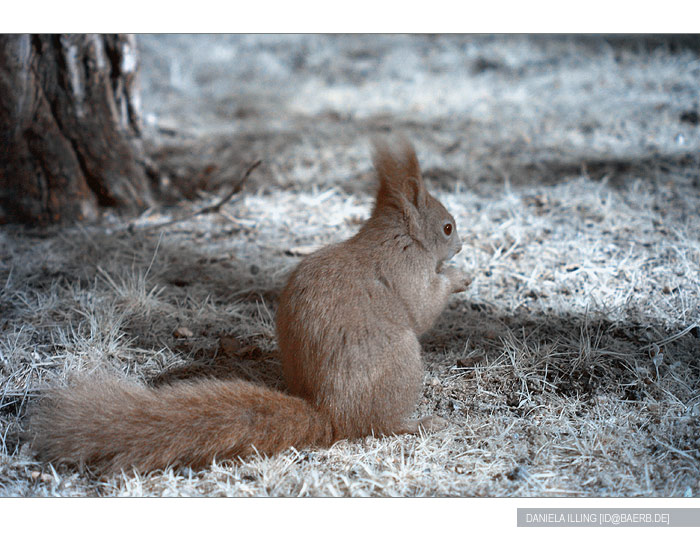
<point>414,190</point>
<point>398,171</point>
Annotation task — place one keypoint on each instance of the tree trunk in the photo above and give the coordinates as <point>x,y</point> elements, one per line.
<point>69,128</point>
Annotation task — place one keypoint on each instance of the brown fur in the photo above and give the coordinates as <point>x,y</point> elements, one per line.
<point>347,326</point>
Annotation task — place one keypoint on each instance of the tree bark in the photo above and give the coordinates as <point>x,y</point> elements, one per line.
<point>69,128</point>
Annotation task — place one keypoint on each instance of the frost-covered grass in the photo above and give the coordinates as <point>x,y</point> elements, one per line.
<point>571,367</point>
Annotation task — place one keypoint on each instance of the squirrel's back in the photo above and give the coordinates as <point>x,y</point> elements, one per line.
<point>345,341</point>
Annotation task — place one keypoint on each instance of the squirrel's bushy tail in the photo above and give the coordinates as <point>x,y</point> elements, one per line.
<point>111,424</point>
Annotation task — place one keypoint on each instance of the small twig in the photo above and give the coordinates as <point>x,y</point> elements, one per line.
<point>236,188</point>
<point>216,207</point>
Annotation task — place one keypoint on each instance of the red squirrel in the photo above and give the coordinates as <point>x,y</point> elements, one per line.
<point>348,323</point>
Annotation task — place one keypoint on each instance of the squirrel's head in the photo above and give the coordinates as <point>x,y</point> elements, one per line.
<point>402,194</point>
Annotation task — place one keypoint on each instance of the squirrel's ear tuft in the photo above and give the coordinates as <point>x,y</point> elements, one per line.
<point>398,170</point>
<point>407,155</point>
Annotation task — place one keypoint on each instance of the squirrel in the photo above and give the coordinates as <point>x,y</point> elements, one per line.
<point>348,323</point>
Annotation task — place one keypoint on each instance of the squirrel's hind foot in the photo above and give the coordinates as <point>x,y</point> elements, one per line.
<point>429,424</point>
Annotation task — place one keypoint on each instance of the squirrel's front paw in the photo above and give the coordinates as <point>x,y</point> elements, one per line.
<point>459,281</point>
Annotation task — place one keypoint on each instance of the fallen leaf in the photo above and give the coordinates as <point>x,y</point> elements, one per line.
<point>229,346</point>
<point>182,332</point>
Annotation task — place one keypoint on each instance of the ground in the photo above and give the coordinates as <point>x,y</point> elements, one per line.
<point>570,367</point>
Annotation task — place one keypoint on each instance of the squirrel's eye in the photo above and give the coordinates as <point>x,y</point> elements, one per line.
<point>447,229</point>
